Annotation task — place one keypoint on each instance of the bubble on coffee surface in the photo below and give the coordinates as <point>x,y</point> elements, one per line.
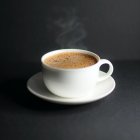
<point>70,60</point>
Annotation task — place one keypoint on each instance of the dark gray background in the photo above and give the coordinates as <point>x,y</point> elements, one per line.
<point>110,28</point>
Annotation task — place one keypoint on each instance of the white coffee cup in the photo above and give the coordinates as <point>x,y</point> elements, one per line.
<point>73,83</point>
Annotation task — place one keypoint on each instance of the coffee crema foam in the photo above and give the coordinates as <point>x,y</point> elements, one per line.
<point>70,60</point>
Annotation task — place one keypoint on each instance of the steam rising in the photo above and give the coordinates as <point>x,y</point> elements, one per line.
<point>69,31</point>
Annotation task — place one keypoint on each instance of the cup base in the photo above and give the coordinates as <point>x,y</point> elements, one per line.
<point>67,97</point>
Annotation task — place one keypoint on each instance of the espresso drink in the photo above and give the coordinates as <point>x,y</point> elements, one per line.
<point>70,60</point>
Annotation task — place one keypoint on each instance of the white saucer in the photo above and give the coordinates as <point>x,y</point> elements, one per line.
<point>36,86</point>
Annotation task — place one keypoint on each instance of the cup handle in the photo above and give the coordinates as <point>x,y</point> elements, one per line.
<point>110,71</point>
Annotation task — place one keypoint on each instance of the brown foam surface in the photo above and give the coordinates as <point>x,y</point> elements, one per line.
<point>70,60</point>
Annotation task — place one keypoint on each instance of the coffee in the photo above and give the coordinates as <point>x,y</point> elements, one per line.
<point>70,60</point>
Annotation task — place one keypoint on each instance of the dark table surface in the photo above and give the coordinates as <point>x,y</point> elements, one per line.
<point>23,116</point>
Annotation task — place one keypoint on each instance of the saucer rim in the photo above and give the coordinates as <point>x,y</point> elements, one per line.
<point>69,101</point>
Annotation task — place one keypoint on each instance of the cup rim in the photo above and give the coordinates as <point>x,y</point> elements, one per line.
<point>68,50</point>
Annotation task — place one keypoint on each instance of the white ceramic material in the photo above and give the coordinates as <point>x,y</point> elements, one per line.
<point>36,86</point>
<point>72,83</point>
